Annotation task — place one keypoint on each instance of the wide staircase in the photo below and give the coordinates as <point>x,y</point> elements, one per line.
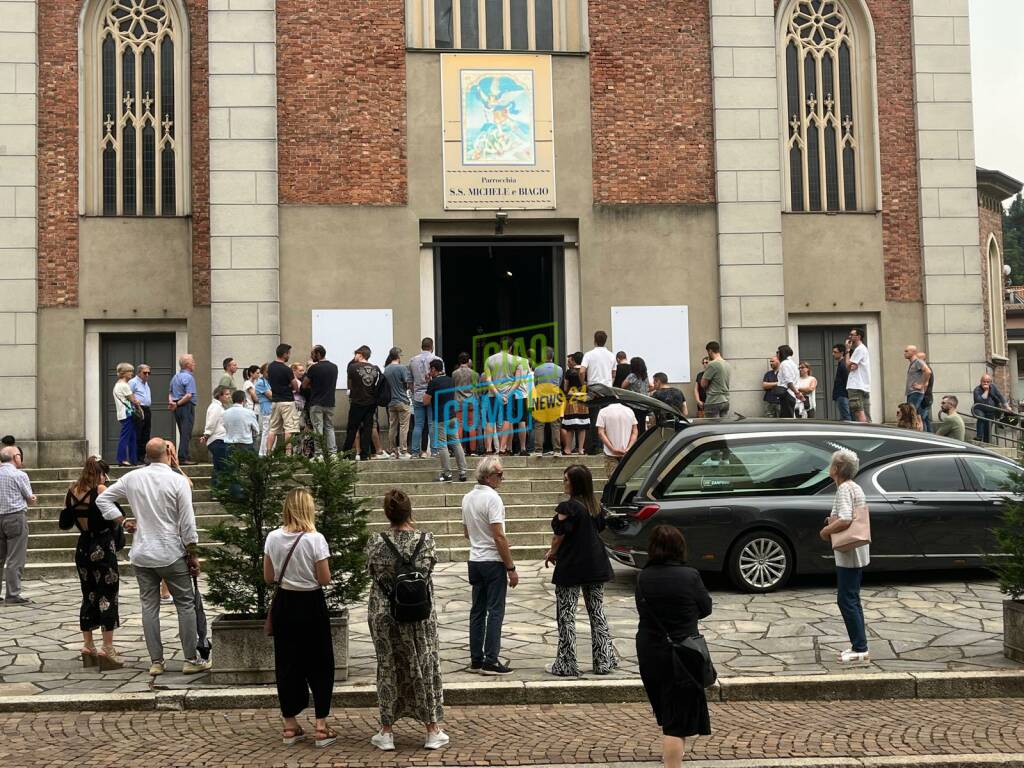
<point>532,487</point>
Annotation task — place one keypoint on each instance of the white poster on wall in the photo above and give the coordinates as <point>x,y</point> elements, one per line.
<point>341,331</point>
<point>660,335</point>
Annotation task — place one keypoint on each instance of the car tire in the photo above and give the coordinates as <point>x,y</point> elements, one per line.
<point>760,561</point>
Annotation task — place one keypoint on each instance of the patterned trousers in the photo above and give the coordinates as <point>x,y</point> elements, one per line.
<point>566,600</point>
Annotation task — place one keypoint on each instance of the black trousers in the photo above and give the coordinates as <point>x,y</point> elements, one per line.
<point>787,407</point>
<point>303,653</point>
<point>360,418</point>
<point>142,431</point>
<point>593,443</point>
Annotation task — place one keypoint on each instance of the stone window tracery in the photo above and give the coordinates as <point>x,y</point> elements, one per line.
<point>134,106</point>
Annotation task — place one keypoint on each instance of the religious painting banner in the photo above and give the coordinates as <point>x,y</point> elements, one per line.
<point>498,134</point>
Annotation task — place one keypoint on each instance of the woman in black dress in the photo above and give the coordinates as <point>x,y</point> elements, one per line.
<point>581,565</point>
<point>671,598</point>
<point>96,561</point>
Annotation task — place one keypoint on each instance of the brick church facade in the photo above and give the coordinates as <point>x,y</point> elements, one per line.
<point>208,175</point>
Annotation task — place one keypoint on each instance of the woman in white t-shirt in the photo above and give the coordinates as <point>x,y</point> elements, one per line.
<point>807,385</point>
<point>252,400</point>
<point>849,565</point>
<point>124,406</point>
<point>303,652</point>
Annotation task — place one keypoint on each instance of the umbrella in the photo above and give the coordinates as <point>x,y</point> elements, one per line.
<point>204,646</point>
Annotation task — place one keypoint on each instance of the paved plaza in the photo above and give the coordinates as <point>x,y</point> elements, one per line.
<point>546,735</point>
<point>916,623</point>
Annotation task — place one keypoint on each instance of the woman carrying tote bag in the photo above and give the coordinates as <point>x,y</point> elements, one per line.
<point>848,530</point>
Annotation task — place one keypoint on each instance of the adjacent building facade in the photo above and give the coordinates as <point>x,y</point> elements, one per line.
<point>214,176</point>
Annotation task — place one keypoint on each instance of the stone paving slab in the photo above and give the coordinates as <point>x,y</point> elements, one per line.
<point>927,623</point>
<point>837,734</point>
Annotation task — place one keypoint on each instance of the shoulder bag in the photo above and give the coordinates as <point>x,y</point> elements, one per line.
<point>857,534</point>
<point>268,624</point>
<point>694,644</point>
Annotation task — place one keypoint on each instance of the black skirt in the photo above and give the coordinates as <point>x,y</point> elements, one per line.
<point>681,708</point>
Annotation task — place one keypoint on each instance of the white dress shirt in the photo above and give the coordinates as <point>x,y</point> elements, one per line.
<point>239,425</point>
<point>214,429</point>
<point>161,501</point>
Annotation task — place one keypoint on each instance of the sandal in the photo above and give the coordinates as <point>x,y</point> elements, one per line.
<point>108,659</point>
<point>325,737</point>
<point>289,736</point>
<point>89,655</point>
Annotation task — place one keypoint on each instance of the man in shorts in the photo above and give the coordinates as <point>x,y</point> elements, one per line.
<point>283,385</point>
<point>858,384</point>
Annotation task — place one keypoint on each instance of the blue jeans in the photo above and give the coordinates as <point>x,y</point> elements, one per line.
<point>983,431</point>
<point>127,448</point>
<point>219,456</point>
<point>843,404</point>
<point>421,422</point>
<point>184,417</point>
<point>490,583</point>
<point>848,598</point>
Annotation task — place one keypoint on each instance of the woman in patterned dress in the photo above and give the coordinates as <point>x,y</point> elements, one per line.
<point>408,665</point>
<point>581,565</point>
<point>96,561</point>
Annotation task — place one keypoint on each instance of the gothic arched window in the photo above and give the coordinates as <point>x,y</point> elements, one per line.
<point>828,107</point>
<point>135,108</point>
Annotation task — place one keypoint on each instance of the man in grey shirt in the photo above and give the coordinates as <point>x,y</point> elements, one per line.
<point>419,367</point>
<point>15,497</point>
<point>548,372</point>
<point>918,374</point>
<point>164,546</point>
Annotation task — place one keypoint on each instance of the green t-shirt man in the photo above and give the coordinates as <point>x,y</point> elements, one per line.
<point>951,425</point>
<point>716,381</point>
<point>228,381</point>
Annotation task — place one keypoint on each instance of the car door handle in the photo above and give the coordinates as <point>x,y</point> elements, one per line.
<point>905,500</point>
<point>997,502</point>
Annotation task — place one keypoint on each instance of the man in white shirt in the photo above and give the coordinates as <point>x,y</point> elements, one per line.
<point>788,375</point>
<point>858,385</point>
<point>617,430</point>
<point>164,546</point>
<point>491,569</point>
<point>598,367</point>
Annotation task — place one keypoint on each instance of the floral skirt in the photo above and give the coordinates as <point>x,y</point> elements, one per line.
<point>96,560</point>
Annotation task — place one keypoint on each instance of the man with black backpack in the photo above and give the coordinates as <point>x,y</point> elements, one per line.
<point>364,384</point>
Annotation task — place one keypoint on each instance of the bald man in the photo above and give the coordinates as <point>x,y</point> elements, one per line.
<point>15,497</point>
<point>164,546</point>
<point>918,374</point>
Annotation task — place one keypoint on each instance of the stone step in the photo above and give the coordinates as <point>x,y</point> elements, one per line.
<point>71,474</point>
<point>401,477</point>
<point>64,568</point>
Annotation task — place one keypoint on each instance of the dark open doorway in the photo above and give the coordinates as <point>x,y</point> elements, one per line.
<point>485,287</point>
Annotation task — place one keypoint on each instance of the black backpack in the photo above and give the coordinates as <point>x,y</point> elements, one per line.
<point>410,592</point>
<point>382,390</point>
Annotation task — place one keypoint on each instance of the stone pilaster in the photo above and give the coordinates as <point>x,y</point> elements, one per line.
<point>244,285</point>
<point>748,188</point>
<point>18,216</point>
<point>953,292</point>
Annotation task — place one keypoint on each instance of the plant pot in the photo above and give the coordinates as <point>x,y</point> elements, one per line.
<point>244,655</point>
<point>1013,629</point>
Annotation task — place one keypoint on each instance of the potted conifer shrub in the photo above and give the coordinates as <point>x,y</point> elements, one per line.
<point>1009,568</point>
<point>252,492</point>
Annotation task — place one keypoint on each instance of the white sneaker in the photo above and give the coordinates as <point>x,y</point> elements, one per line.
<point>383,741</point>
<point>436,740</point>
<point>197,666</point>
<point>156,668</point>
<point>854,657</point>
<point>405,455</point>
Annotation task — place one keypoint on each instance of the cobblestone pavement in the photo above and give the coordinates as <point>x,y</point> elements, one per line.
<point>516,735</point>
<point>926,623</point>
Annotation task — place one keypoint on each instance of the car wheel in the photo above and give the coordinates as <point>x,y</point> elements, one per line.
<point>761,562</point>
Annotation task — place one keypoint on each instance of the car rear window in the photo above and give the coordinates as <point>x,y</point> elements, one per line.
<point>749,467</point>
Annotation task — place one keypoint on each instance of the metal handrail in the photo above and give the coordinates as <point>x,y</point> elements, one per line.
<point>1006,427</point>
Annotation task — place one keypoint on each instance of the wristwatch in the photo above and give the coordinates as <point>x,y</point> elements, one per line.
<point>510,570</point>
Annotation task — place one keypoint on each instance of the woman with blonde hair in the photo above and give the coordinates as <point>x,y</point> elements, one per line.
<point>96,561</point>
<point>907,417</point>
<point>296,559</point>
<point>408,661</point>
<point>125,405</point>
<point>808,386</point>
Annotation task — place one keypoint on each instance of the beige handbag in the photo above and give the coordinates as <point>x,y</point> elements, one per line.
<point>857,535</point>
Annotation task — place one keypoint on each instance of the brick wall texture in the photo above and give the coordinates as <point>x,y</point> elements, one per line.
<point>897,140</point>
<point>58,153</point>
<point>651,105</point>
<point>341,102</point>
